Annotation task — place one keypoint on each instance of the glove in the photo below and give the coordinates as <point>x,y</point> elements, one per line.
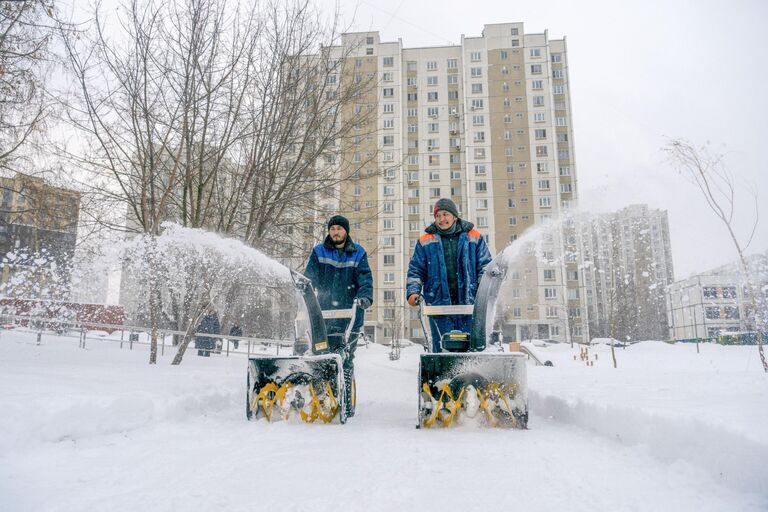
<point>364,302</point>
<point>414,299</point>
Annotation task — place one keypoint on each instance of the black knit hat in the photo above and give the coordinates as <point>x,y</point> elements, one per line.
<point>339,220</point>
<point>447,205</point>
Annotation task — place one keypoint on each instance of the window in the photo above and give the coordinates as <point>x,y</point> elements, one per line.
<point>482,221</point>
<point>541,151</point>
<point>550,293</point>
<point>413,128</point>
<point>514,31</point>
<point>453,95</point>
<point>558,73</point>
<point>565,188</point>
<point>731,312</point>
<point>537,85</point>
<point>389,277</point>
<point>482,204</point>
<point>515,43</point>
<point>433,127</point>
<point>389,108</point>
<point>549,274</point>
<point>563,154</point>
<point>434,159</point>
<point>729,292</point>
<point>480,153</point>
<point>535,53</point>
<point>389,190</point>
<point>475,56</point>
<point>453,79</point>
<point>513,221</point>
<point>477,105</point>
<point>511,204</point>
<point>562,137</point>
<point>432,112</point>
<point>431,65</point>
<point>411,81</point>
<point>389,241</point>
<point>538,101</point>
<point>535,69</point>
<point>507,135</point>
<point>478,120</point>
<point>413,209</point>
<point>479,137</point>
<point>369,40</point>
<point>565,171</point>
<point>542,167</point>
<point>387,77</point>
<point>543,184</point>
<point>413,112</point>
<point>712,312</point>
<point>389,140</point>
<point>545,202</point>
<point>540,134</point>
<point>475,72</point>
<point>432,96</point>
<point>388,92</point>
<point>510,186</point>
<point>411,65</point>
<point>538,117</point>
<point>558,89</point>
<point>388,62</point>
<point>389,223</point>
<point>504,55</point>
<point>434,192</point>
<point>434,175</point>
<point>477,88</point>
<point>389,124</point>
<point>432,80</point>
<point>480,170</point>
<point>412,96</point>
<point>389,295</point>
<point>389,260</point>
<point>573,275</point>
<point>389,206</point>
<point>433,143</point>
<point>453,63</point>
<point>481,186</point>
<point>556,57</point>
<point>710,292</point>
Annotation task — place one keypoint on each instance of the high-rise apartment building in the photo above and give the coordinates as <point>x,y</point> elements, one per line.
<point>486,123</point>
<point>627,258</point>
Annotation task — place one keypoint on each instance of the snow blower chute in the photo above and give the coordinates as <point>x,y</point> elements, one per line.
<point>310,384</point>
<point>464,383</point>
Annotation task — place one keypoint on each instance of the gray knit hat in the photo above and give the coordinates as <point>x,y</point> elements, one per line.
<point>447,205</point>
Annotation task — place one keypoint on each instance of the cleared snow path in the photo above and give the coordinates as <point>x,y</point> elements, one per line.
<point>99,429</point>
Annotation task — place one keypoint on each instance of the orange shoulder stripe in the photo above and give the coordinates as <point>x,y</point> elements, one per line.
<point>475,233</point>
<point>425,237</point>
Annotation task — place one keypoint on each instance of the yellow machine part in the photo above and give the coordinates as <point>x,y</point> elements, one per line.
<point>446,410</point>
<point>271,395</point>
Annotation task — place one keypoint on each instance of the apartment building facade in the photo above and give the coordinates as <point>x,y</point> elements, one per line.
<point>488,124</point>
<point>714,303</point>
<point>38,226</point>
<point>627,257</point>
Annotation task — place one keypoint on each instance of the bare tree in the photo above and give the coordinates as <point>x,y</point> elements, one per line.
<point>233,117</point>
<point>717,185</point>
<point>25,34</point>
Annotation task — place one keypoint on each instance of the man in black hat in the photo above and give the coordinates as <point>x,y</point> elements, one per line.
<point>339,271</point>
<point>446,267</point>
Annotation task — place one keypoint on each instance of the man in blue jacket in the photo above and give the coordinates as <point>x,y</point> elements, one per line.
<point>339,271</point>
<point>446,268</point>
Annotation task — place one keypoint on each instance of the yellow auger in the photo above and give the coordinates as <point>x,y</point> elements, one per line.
<point>271,394</point>
<point>446,408</point>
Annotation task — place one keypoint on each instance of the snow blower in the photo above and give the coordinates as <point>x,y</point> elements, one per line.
<point>465,383</point>
<point>309,386</point>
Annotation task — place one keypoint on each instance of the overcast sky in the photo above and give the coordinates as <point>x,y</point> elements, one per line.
<point>639,74</point>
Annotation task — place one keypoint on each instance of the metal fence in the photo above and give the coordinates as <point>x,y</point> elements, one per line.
<point>40,325</point>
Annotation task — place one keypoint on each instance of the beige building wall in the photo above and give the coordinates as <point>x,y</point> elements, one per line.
<point>486,123</point>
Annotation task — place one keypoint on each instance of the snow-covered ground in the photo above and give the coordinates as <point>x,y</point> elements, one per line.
<point>99,429</point>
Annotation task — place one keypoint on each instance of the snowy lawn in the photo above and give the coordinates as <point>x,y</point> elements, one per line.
<point>99,429</point>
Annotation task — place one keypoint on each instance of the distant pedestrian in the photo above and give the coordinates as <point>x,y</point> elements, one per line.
<point>208,325</point>
<point>236,330</point>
